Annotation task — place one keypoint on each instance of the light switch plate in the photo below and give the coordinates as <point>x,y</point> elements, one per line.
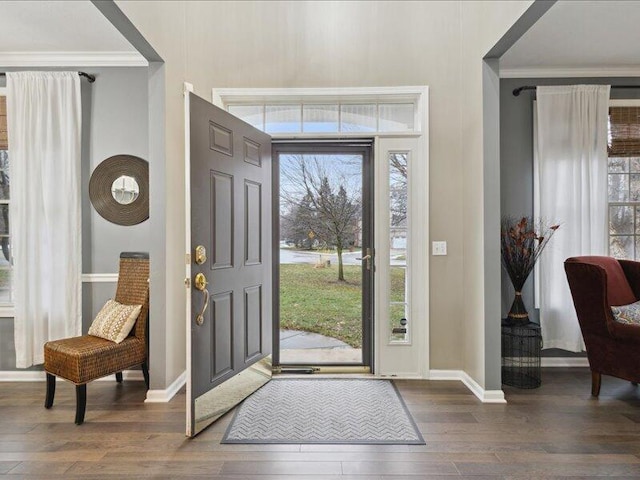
<point>438,248</point>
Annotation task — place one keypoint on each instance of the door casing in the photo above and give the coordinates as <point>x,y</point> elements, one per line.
<point>390,361</point>
<point>362,147</point>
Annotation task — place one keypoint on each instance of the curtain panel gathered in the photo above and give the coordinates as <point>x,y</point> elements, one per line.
<point>44,127</point>
<point>570,188</point>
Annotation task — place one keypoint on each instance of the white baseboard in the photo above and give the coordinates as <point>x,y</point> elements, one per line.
<point>565,362</point>
<point>163,396</point>
<point>39,376</point>
<point>22,376</point>
<point>485,396</point>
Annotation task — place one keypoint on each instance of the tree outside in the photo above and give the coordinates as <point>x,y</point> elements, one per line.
<point>321,202</point>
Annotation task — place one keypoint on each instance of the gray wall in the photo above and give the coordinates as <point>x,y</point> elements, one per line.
<point>516,156</point>
<point>115,121</point>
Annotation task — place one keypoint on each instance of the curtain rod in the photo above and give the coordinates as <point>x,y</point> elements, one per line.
<point>516,91</point>
<point>88,76</point>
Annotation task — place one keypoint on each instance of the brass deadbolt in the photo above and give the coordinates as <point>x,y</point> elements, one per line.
<point>201,255</point>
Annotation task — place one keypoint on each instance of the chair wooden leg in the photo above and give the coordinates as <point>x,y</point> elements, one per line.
<point>145,373</point>
<point>81,403</point>
<point>51,390</point>
<point>119,377</point>
<point>596,379</point>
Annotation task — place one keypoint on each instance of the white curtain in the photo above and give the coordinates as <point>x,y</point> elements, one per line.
<point>44,125</point>
<point>570,188</point>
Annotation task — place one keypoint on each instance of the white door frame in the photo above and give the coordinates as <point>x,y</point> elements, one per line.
<point>187,88</point>
<point>398,360</point>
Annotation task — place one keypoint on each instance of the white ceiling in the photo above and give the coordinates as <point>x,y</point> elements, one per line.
<point>31,31</point>
<point>574,38</point>
<point>579,37</point>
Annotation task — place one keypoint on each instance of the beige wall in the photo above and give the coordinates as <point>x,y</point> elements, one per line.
<point>350,44</point>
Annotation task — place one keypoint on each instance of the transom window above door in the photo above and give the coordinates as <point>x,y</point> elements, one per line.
<point>339,111</point>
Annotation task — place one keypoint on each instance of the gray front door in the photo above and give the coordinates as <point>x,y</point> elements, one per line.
<point>231,326</point>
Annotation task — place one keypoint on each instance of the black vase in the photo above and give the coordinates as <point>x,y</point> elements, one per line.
<point>518,314</point>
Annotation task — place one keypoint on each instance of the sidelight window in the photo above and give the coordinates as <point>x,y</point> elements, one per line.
<point>398,246</point>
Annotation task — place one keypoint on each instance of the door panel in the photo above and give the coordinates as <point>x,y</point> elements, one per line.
<point>230,320</point>
<point>253,321</point>
<point>222,335</point>
<point>253,225</point>
<point>222,206</point>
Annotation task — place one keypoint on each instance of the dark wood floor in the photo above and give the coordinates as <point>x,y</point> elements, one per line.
<point>556,431</point>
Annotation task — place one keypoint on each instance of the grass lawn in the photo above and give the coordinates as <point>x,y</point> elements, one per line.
<point>313,300</point>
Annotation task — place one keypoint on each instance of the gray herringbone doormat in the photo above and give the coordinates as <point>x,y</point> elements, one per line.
<point>298,410</point>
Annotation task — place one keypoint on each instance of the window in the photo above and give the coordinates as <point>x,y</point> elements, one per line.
<point>374,117</point>
<point>398,236</point>
<point>344,111</point>
<point>624,181</point>
<point>5,240</point>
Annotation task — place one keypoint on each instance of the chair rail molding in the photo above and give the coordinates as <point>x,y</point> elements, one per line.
<point>99,277</point>
<point>8,310</point>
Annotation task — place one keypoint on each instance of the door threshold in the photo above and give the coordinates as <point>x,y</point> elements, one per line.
<point>321,369</point>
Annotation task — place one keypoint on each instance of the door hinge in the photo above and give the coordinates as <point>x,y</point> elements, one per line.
<point>187,258</point>
<point>187,282</point>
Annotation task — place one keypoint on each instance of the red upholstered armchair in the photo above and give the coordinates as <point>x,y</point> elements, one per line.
<point>596,284</point>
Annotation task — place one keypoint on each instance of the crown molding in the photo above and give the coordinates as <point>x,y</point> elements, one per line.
<point>72,59</point>
<point>560,72</point>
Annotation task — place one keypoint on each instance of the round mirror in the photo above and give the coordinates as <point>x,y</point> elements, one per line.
<point>125,189</point>
<point>119,189</point>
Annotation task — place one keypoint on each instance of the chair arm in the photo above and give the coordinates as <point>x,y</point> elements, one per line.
<point>588,284</point>
<point>631,270</point>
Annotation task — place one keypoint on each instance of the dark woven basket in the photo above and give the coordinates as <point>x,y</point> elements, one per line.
<point>521,350</point>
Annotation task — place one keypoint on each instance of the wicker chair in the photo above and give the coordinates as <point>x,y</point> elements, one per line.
<point>86,358</point>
